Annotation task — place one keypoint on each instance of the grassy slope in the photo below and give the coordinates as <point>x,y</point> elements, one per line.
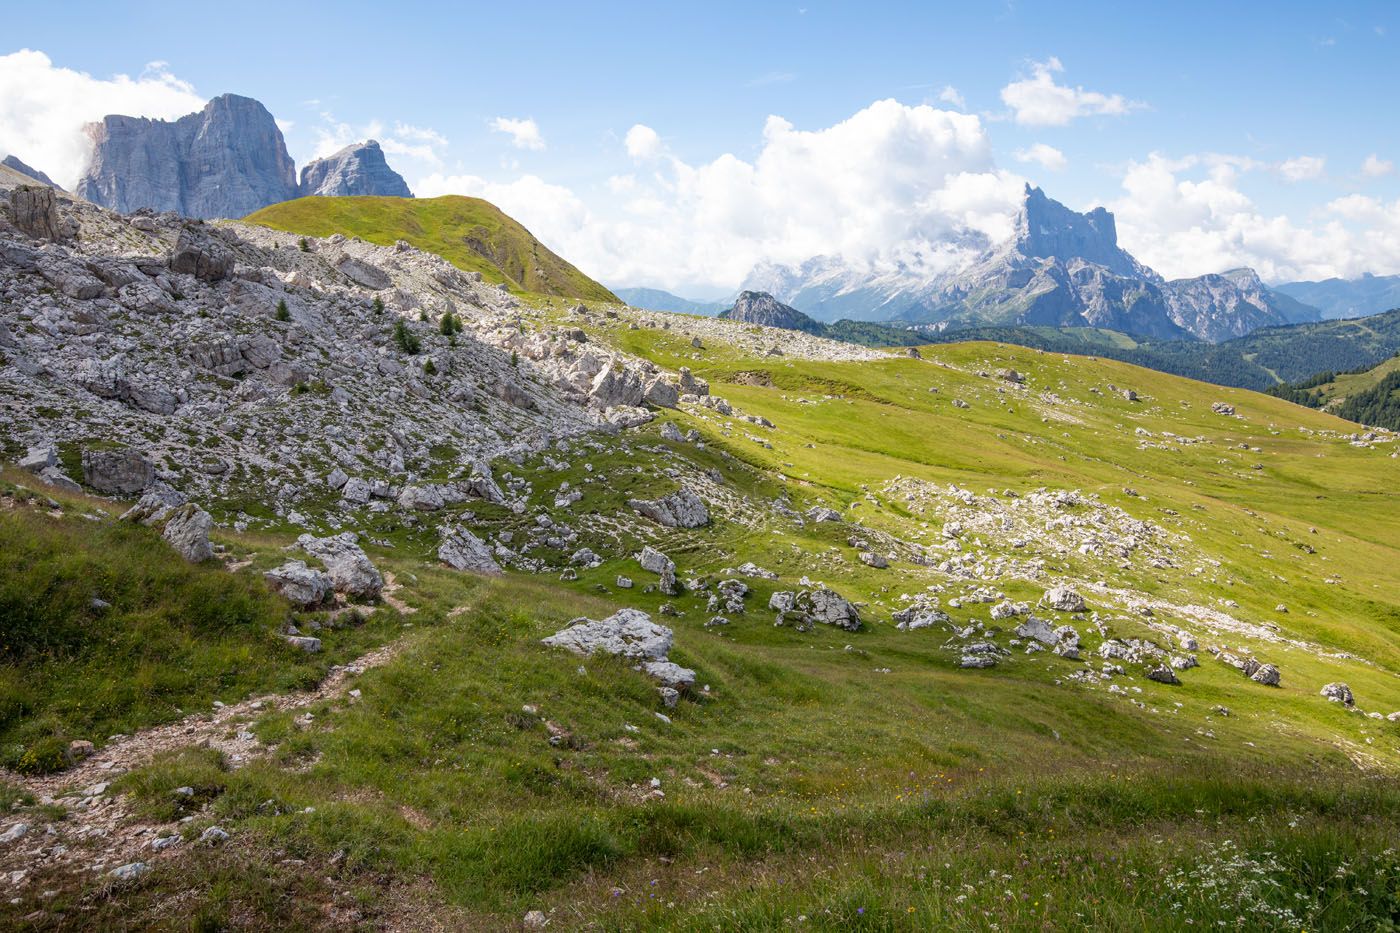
<point>808,782</point>
<point>470,233</point>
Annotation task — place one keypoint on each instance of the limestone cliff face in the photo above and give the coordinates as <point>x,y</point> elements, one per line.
<point>359,169</point>
<point>227,160</point>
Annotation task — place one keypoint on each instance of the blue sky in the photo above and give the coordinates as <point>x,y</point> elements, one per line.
<point>1261,118</point>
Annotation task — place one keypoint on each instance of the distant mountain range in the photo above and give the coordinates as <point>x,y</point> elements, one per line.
<point>227,160</point>
<point>1344,298</point>
<point>655,299</point>
<point>1059,268</point>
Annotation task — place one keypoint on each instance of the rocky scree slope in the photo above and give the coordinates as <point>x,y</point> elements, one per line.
<point>234,357</point>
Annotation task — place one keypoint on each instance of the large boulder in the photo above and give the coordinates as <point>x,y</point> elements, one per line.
<point>201,255</point>
<point>627,633</point>
<point>816,605</point>
<point>117,472</point>
<point>301,585</point>
<point>662,393</point>
<point>187,530</point>
<point>350,569</point>
<point>681,509</point>
<point>617,386</point>
<point>462,550</point>
<point>1064,599</point>
<point>1338,693</point>
<point>155,506</point>
<point>421,498</point>
<point>652,559</point>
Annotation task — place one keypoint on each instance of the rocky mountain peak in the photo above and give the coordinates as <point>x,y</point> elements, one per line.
<point>227,160</point>
<point>13,161</point>
<point>762,308</point>
<point>1046,229</point>
<point>358,169</point>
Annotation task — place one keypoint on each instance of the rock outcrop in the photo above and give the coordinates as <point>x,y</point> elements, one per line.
<point>681,509</point>
<point>358,169</point>
<point>227,160</point>
<point>349,568</point>
<point>762,308</point>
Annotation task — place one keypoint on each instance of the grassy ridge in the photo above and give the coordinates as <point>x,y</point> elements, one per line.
<point>470,233</point>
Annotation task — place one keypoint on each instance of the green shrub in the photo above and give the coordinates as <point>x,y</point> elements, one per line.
<point>377,305</point>
<point>283,314</point>
<point>405,340</point>
<point>429,369</point>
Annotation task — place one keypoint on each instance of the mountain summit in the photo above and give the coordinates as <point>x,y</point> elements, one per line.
<point>358,169</point>
<point>1059,267</point>
<point>227,160</point>
<point>762,308</point>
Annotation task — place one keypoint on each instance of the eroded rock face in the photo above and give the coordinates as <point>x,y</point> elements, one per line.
<point>117,472</point>
<point>681,509</point>
<point>227,160</point>
<point>187,529</point>
<point>358,169</point>
<point>350,570</point>
<point>462,550</point>
<point>34,210</point>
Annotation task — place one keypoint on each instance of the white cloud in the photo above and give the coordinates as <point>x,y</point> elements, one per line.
<point>1376,167</point>
<point>1189,216</point>
<point>1047,157</point>
<point>951,95</point>
<point>1039,101</point>
<point>892,183</point>
<point>43,108</point>
<point>407,148</point>
<point>1302,168</point>
<point>643,143</point>
<point>524,133</point>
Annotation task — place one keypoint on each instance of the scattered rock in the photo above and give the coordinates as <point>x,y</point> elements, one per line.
<point>117,472</point>
<point>462,550</point>
<point>187,530</point>
<point>1063,599</point>
<point>1338,693</point>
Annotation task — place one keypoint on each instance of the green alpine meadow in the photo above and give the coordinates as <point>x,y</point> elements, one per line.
<point>733,469</point>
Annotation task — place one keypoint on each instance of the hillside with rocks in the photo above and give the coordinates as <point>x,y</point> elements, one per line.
<point>398,600</point>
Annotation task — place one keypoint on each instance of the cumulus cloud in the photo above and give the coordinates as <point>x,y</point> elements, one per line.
<point>1038,100</point>
<point>951,95</point>
<point>1189,216</point>
<point>408,148</point>
<point>643,143</point>
<point>524,132</point>
<point>1376,167</point>
<point>43,108</point>
<point>1302,168</point>
<point>890,184</point>
<point>1047,157</point>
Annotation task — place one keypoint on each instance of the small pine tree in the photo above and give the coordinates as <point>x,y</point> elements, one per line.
<point>304,244</point>
<point>378,305</point>
<point>447,326</point>
<point>429,369</point>
<point>282,313</point>
<point>404,338</point>
<point>514,359</point>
